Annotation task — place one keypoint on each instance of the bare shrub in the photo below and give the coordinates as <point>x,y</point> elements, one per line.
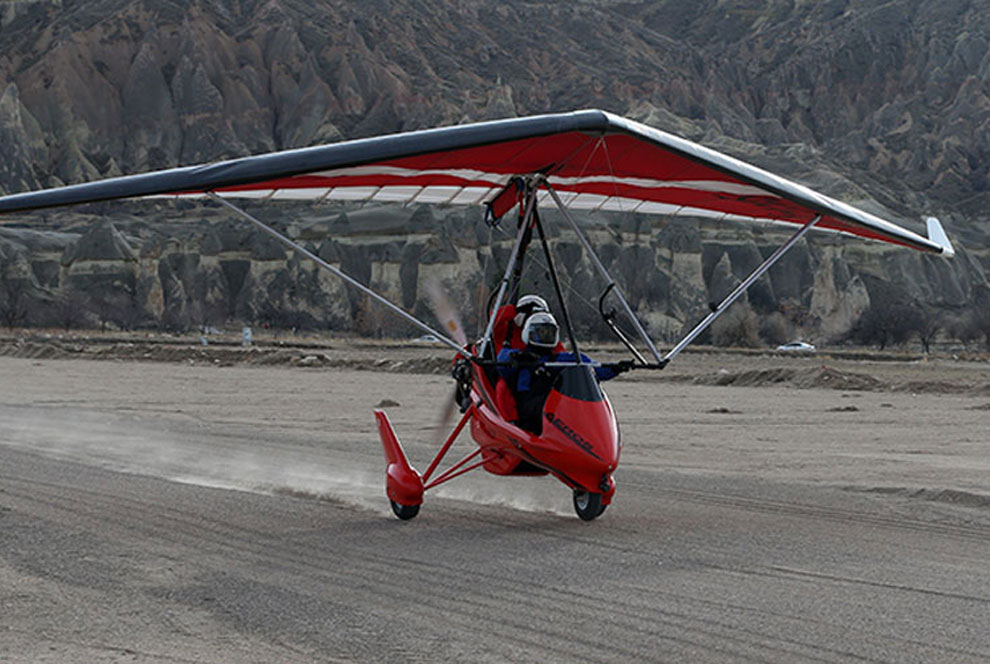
<point>372,320</point>
<point>963,328</point>
<point>773,329</point>
<point>103,308</point>
<point>737,327</point>
<point>974,324</point>
<point>795,313</point>
<point>981,314</point>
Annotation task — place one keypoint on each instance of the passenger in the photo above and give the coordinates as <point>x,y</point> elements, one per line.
<point>526,373</point>
<point>510,319</point>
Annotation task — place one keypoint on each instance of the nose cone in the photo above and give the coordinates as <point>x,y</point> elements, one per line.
<point>585,435</point>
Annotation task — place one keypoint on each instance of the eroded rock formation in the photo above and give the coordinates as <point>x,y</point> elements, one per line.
<point>883,105</point>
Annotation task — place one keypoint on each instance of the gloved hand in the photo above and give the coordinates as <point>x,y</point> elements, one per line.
<point>620,367</point>
<point>541,372</point>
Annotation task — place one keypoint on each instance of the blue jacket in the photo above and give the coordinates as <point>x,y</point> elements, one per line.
<point>520,379</point>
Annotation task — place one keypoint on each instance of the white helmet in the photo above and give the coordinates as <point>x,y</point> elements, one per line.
<point>541,331</point>
<point>528,305</point>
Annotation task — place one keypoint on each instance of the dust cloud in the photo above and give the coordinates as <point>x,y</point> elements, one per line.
<point>128,445</point>
<point>132,445</point>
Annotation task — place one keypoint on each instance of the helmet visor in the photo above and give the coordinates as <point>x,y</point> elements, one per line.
<point>543,334</point>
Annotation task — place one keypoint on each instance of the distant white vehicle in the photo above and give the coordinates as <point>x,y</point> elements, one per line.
<point>796,345</point>
<point>426,339</point>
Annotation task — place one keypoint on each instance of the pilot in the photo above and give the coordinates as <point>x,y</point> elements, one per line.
<point>528,378</point>
<point>507,333</point>
<point>510,319</point>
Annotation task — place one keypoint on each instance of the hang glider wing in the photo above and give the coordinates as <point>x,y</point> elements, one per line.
<point>593,159</point>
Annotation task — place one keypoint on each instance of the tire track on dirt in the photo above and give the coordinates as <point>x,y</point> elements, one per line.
<point>754,571</point>
<point>254,546</point>
<point>260,544</point>
<point>774,507</point>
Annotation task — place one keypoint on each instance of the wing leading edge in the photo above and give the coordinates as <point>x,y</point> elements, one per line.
<point>593,159</point>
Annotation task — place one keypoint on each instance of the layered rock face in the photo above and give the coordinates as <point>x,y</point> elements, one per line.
<point>201,268</point>
<point>883,105</point>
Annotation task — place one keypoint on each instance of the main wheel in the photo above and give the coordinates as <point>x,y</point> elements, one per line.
<point>588,505</point>
<point>404,512</point>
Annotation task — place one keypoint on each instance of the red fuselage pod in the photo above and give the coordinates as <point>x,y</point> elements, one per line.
<point>579,442</point>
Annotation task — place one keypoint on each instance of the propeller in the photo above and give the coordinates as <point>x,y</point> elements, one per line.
<point>445,312</point>
<point>450,322</point>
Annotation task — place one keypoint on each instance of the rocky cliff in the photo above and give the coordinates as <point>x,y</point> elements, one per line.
<point>885,105</point>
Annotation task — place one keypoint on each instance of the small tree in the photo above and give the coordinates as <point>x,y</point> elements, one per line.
<point>268,313</point>
<point>204,314</point>
<point>13,300</point>
<point>885,323</point>
<point>929,323</point>
<point>963,328</point>
<point>127,302</point>
<point>372,319</point>
<point>69,308</point>
<point>794,313</point>
<point>103,309</point>
<point>980,314</point>
<point>980,321</point>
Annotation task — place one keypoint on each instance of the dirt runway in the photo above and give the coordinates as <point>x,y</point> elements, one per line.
<point>184,512</point>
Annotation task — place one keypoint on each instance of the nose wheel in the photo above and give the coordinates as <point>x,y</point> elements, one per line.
<point>404,512</point>
<point>588,505</point>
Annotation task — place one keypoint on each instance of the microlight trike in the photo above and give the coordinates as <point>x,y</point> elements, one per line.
<point>585,160</point>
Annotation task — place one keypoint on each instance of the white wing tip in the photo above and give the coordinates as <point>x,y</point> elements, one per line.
<point>937,235</point>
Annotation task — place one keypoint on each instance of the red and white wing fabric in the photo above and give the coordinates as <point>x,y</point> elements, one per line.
<point>593,159</point>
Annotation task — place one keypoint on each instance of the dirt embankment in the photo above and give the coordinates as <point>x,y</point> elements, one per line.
<point>414,360</point>
<point>844,370</point>
<point>828,377</point>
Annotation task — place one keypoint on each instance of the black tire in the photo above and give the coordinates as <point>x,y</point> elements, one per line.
<point>404,512</point>
<point>588,505</point>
